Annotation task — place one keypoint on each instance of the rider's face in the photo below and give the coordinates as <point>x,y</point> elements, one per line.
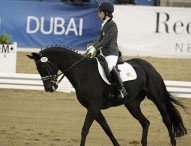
<point>101,15</point>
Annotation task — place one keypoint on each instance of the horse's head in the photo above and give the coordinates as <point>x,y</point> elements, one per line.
<point>48,71</point>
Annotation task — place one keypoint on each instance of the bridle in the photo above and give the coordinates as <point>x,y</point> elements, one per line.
<point>48,64</point>
<point>51,76</point>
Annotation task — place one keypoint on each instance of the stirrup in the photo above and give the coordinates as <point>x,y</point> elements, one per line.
<point>122,93</point>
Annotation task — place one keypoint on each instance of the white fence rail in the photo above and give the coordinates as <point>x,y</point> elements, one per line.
<point>29,81</point>
<point>179,88</point>
<point>33,82</point>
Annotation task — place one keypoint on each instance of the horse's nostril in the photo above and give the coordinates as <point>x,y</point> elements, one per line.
<point>50,89</point>
<point>46,90</point>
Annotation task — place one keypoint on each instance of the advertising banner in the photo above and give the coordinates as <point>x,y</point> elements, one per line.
<point>143,30</point>
<point>36,24</point>
<point>154,31</point>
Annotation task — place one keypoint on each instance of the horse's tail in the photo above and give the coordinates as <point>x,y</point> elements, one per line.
<point>178,127</point>
<point>157,92</point>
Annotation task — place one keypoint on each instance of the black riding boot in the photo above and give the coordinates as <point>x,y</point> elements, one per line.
<point>118,81</point>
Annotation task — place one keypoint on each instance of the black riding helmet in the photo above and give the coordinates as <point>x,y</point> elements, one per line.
<point>106,7</point>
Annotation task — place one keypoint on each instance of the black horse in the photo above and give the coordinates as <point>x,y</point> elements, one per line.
<point>92,92</point>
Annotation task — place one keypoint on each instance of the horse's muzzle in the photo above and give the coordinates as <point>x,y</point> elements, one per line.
<point>51,88</point>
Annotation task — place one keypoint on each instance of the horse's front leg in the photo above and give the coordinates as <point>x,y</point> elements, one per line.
<point>87,124</point>
<point>102,121</point>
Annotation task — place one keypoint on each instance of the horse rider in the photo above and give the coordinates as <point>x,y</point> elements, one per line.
<point>107,44</point>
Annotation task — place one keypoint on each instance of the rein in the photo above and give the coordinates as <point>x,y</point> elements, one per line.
<point>73,65</point>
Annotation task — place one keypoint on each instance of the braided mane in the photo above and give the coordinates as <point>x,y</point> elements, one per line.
<point>61,48</point>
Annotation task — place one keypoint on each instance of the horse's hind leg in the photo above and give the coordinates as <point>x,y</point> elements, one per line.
<point>135,110</point>
<point>102,121</point>
<point>161,105</point>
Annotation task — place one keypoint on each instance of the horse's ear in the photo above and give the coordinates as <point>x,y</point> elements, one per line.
<point>34,56</point>
<point>29,56</point>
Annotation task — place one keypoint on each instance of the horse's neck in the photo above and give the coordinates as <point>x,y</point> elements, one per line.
<point>73,67</point>
<point>78,74</point>
<point>65,59</point>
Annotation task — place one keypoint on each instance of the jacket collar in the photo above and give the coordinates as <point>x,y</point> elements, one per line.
<point>105,21</point>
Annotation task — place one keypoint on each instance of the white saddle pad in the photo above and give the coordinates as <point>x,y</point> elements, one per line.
<point>127,72</point>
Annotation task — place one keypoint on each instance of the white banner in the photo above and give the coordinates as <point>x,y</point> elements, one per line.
<point>8,58</point>
<point>154,31</point>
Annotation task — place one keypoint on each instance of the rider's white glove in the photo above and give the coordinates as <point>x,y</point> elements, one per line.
<point>91,50</point>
